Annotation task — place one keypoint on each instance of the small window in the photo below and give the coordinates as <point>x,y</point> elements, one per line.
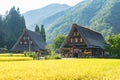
<point>77,33</point>
<point>30,42</point>
<point>21,42</point>
<point>76,40</point>
<point>74,33</point>
<point>28,38</point>
<point>24,38</point>
<point>25,42</point>
<point>71,40</point>
<point>81,40</point>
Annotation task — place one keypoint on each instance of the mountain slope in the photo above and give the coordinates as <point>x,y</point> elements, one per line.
<point>100,15</point>
<point>107,20</point>
<point>38,15</point>
<point>48,21</point>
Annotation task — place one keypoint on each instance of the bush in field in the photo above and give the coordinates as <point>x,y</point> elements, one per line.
<point>31,54</point>
<point>52,55</point>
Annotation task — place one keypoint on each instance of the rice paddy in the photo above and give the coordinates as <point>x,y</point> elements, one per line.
<point>65,69</point>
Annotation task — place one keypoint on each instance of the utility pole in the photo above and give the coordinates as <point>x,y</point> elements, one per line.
<point>29,45</point>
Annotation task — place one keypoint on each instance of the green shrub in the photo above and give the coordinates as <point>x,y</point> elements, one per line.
<point>58,56</point>
<point>52,55</point>
<point>31,54</point>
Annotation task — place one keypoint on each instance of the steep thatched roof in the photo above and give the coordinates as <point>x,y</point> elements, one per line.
<point>37,39</point>
<point>91,38</point>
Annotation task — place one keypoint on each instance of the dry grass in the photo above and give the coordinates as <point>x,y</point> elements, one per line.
<point>72,69</point>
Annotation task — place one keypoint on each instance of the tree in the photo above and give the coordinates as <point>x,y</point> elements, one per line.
<point>58,41</point>
<point>13,25</point>
<point>1,30</point>
<point>0,21</point>
<point>37,28</point>
<point>113,45</point>
<point>43,32</point>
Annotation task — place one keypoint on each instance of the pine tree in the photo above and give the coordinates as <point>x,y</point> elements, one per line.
<point>43,32</point>
<point>37,28</point>
<point>1,31</point>
<point>0,21</point>
<point>13,24</point>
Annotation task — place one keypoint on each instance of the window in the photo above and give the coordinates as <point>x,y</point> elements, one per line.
<point>21,42</point>
<point>76,40</point>
<point>28,38</point>
<point>77,33</point>
<point>30,42</point>
<point>74,34</point>
<point>81,40</point>
<point>25,42</point>
<point>24,38</point>
<point>71,40</point>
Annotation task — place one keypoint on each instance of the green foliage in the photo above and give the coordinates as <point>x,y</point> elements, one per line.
<point>58,41</point>
<point>12,26</point>
<point>100,15</point>
<point>107,19</point>
<point>37,28</point>
<point>50,48</point>
<point>113,45</point>
<point>34,55</point>
<point>52,55</point>
<point>43,32</point>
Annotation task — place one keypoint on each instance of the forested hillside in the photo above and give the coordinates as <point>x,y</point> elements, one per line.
<point>107,20</point>
<point>11,27</point>
<point>100,15</point>
<point>37,16</point>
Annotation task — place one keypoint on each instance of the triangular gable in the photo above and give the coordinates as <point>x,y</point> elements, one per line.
<point>37,42</point>
<point>74,26</point>
<point>91,38</point>
<point>18,39</point>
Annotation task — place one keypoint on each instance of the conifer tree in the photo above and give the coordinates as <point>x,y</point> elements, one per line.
<point>43,32</point>
<point>13,25</point>
<point>37,28</point>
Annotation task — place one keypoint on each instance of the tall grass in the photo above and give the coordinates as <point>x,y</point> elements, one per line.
<point>72,69</point>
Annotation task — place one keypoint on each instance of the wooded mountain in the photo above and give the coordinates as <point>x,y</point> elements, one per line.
<point>37,16</point>
<point>100,15</point>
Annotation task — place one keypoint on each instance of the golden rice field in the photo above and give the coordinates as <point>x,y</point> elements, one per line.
<point>11,55</point>
<point>65,69</point>
<point>14,57</point>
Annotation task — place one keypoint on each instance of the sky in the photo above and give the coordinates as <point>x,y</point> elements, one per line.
<point>26,5</point>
